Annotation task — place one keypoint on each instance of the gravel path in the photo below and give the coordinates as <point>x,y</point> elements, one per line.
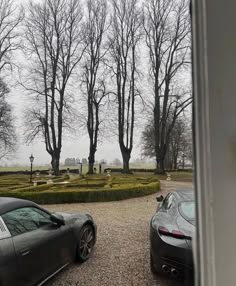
<point>121,254</point>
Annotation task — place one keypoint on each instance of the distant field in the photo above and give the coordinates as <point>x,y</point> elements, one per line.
<point>85,167</point>
<point>184,176</point>
<point>35,168</point>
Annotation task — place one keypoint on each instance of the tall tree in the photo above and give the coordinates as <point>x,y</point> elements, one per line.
<point>7,129</point>
<point>53,34</point>
<point>10,19</point>
<point>167,29</point>
<point>124,37</point>
<point>95,27</point>
<point>179,144</point>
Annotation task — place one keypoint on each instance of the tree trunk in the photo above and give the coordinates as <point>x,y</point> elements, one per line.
<point>175,163</point>
<point>55,164</point>
<point>157,169</point>
<point>126,158</point>
<point>162,165</point>
<point>162,159</point>
<point>91,160</point>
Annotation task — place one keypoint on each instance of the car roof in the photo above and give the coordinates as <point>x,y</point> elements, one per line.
<point>184,195</point>
<point>7,204</point>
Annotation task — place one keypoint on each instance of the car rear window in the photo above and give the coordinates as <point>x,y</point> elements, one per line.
<point>187,210</point>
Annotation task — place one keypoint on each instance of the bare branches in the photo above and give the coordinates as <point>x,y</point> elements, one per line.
<point>53,33</point>
<point>167,30</point>
<point>124,38</point>
<point>179,143</point>
<point>94,70</point>
<point>10,19</point>
<point>7,130</point>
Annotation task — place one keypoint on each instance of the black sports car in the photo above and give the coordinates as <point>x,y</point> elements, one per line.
<point>36,244</point>
<point>171,232</point>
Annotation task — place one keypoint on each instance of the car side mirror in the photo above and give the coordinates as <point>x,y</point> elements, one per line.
<point>58,219</point>
<point>160,198</point>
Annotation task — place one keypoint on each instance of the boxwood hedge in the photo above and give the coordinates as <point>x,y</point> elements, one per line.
<point>72,196</point>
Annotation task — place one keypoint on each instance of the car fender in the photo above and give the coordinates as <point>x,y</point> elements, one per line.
<point>78,220</point>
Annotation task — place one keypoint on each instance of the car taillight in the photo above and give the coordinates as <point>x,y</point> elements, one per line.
<point>177,234</point>
<point>163,230</point>
<point>174,233</point>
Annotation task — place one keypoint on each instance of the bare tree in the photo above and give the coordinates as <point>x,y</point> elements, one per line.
<point>7,130</point>
<point>53,34</point>
<point>93,77</point>
<point>148,140</point>
<point>167,29</point>
<point>10,18</point>
<point>125,35</point>
<point>179,144</point>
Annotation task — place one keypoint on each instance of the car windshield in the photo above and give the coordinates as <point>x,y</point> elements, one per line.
<point>187,210</point>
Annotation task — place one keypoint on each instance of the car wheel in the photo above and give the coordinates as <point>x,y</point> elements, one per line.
<point>86,243</point>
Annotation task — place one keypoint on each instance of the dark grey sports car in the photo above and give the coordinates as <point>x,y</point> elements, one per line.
<point>171,232</point>
<point>36,244</point>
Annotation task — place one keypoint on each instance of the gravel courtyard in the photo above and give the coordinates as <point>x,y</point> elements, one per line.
<point>121,255</point>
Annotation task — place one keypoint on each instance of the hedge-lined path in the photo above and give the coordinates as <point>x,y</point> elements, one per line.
<point>121,256</point>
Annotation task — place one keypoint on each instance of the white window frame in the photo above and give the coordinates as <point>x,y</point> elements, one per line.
<point>214,75</point>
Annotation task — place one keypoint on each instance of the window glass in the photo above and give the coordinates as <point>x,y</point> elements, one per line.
<point>187,210</point>
<point>165,202</point>
<point>168,201</point>
<point>25,219</point>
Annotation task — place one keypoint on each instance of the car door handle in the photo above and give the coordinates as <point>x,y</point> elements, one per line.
<point>25,252</point>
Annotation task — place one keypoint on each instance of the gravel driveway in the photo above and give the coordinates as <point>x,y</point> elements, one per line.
<point>121,254</point>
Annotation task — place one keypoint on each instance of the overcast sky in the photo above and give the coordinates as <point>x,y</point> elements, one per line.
<point>74,145</point>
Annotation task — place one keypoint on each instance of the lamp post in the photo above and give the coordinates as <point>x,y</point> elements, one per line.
<point>31,165</point>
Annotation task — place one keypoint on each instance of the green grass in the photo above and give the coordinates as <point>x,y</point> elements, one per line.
<point>182,176</point>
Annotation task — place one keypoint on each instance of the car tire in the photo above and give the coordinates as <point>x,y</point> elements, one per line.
<point>85,243</point>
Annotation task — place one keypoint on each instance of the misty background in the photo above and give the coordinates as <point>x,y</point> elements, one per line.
<point>75,140</point>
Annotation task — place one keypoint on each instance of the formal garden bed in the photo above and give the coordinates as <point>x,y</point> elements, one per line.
<point>94,188</point>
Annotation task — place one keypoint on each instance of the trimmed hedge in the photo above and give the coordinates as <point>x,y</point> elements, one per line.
<point>86,185</point>
<point>32,188</point>
<point>132,170</point>
<point>15,187</point>
<point>53,186</point>
<point>67,196</point>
